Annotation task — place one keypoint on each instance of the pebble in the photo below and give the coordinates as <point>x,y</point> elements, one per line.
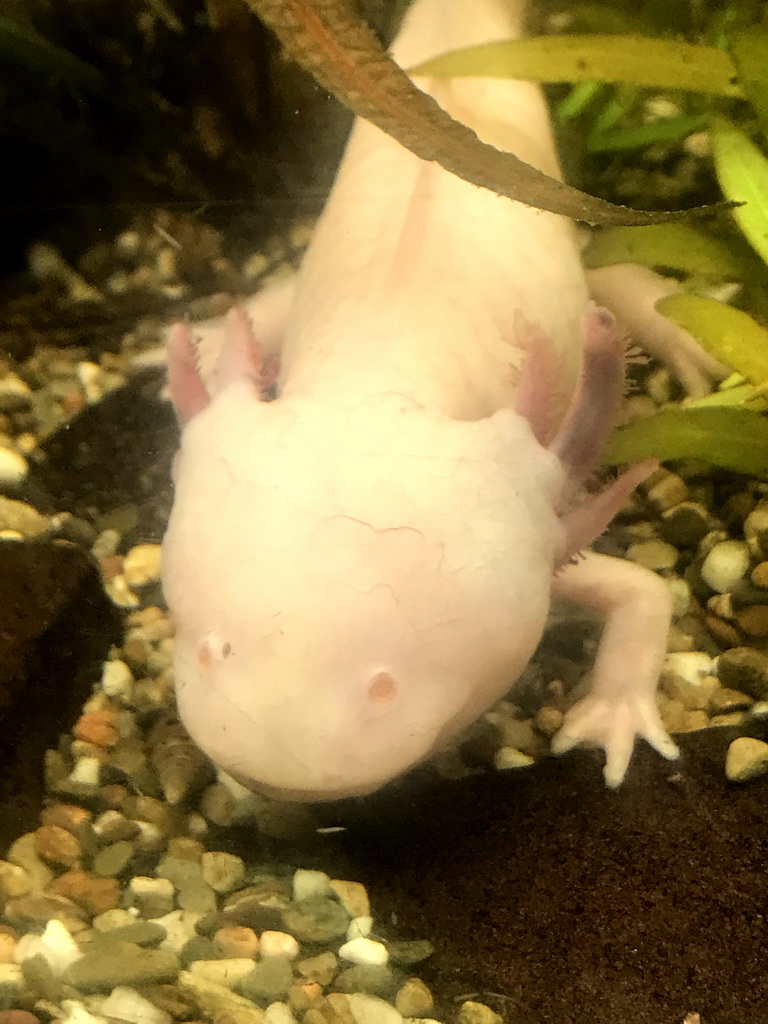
<point>117,680</point>
<point>409,952</point>
<point>727,563</point>
<point>35,910</point>
<point>13,467</point>
<point>7,948</point>
<point>101,971</point>
<point>98,728</point>
<point>364,951</point>
<point>227,971</point>
<point>142,565</point>
<point>95,895</point>
<point>309,884</point>
<point>279,1013</point>
<point>414,999</point>
<point>224,872</point>
<point>471,1012</point>
<point>320,968</point>
<point>744,669</point>
<point>759,576</point>
<point>152,897</point>
<point>140,933</point>
<point>273,943</point>
<point>196,896</point>
<point>57,846</point>
<point>685,525</point>
<point>22,518</point>
<point>360,928</point>
<point>318,919</point>
<point>219,1003</point>
<point>179,926</point>
<point>267,980</point>
<point>113,860</point>
<point>747,758</point>
<point>126,1004</point>
<point>507,758</point>
<point>237,941</point>
<point>353,896</point>
<point>654,554</point>
<point>55,945</point>
<point>753,621</point>
<point>372,1010</point>
<point>14,881</point>
<point>374,979</point>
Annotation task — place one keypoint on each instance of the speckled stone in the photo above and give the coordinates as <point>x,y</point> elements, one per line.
<point>224,872</point>
<point>320,968</point>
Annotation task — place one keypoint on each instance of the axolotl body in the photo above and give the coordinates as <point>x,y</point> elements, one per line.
<point>360,567</point>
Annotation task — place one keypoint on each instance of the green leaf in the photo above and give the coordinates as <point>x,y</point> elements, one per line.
<point>668,129</point>
<point>734,439</point>
<point>657,63</point>
<point>681,247</point>
<point>23,44</point>
<point>742,171</point>
<point>728,334</point>
<point>749,49</point>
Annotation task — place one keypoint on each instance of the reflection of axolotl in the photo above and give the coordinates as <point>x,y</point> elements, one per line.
<point>359,568</point>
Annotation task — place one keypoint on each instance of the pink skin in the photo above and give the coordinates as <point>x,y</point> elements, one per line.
<point>361,567</point>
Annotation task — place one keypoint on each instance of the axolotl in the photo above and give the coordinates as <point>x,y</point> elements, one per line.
<point>360,567</point>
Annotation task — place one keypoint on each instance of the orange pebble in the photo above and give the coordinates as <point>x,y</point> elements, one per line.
<point>98,728</point>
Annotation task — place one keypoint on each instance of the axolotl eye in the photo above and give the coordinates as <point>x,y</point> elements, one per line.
<point>212,650</point>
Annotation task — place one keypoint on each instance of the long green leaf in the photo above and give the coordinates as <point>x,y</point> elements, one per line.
<point>677,246</point>
<point>742,171</point>
<point>734,439</point>
<point>639,60</point>
<point>728,334</point>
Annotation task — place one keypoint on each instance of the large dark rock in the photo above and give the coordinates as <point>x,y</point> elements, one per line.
<point>56,627</point>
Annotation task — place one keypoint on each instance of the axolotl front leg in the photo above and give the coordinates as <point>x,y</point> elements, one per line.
<point>635,602</point>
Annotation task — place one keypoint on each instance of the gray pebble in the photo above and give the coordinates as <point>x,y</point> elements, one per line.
<point>407,953</point>
<point>101,971</point>
<point>197,896</point>
<point>113,860</point>
<point>200,948</point>
<point>269,980</point>
<point>319,919</point>
<point>372,979</point>
<point>141,933</point>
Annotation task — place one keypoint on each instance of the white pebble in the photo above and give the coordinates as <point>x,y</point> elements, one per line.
<point>87,770</point>
<point>10,977</point>
<point>359,928</point>
<point>364,951</point>
<point>693,666</point>
<point>13,467</point>
<point>725,565</point>
<point>279,1013</point>
<point>117,679</point>
<point>55,945</point>
<point>372,1010</point>
<point>681,596</point>
<point>76,1013</point>
<point>179,928</point>
<point>227,971</point>
<point>307,884</point>
<point>278,944</point>
<point>506,758</point>
<point>124,1003</point>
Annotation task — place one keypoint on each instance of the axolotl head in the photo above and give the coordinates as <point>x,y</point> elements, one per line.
<point>351,585</point>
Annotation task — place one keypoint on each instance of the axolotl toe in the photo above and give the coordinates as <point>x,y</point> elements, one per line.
<point>360,567</point>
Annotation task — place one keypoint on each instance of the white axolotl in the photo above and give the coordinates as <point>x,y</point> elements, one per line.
<point>360,568</point>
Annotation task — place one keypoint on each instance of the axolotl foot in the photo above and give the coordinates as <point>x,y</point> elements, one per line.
<point>621,705</point>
